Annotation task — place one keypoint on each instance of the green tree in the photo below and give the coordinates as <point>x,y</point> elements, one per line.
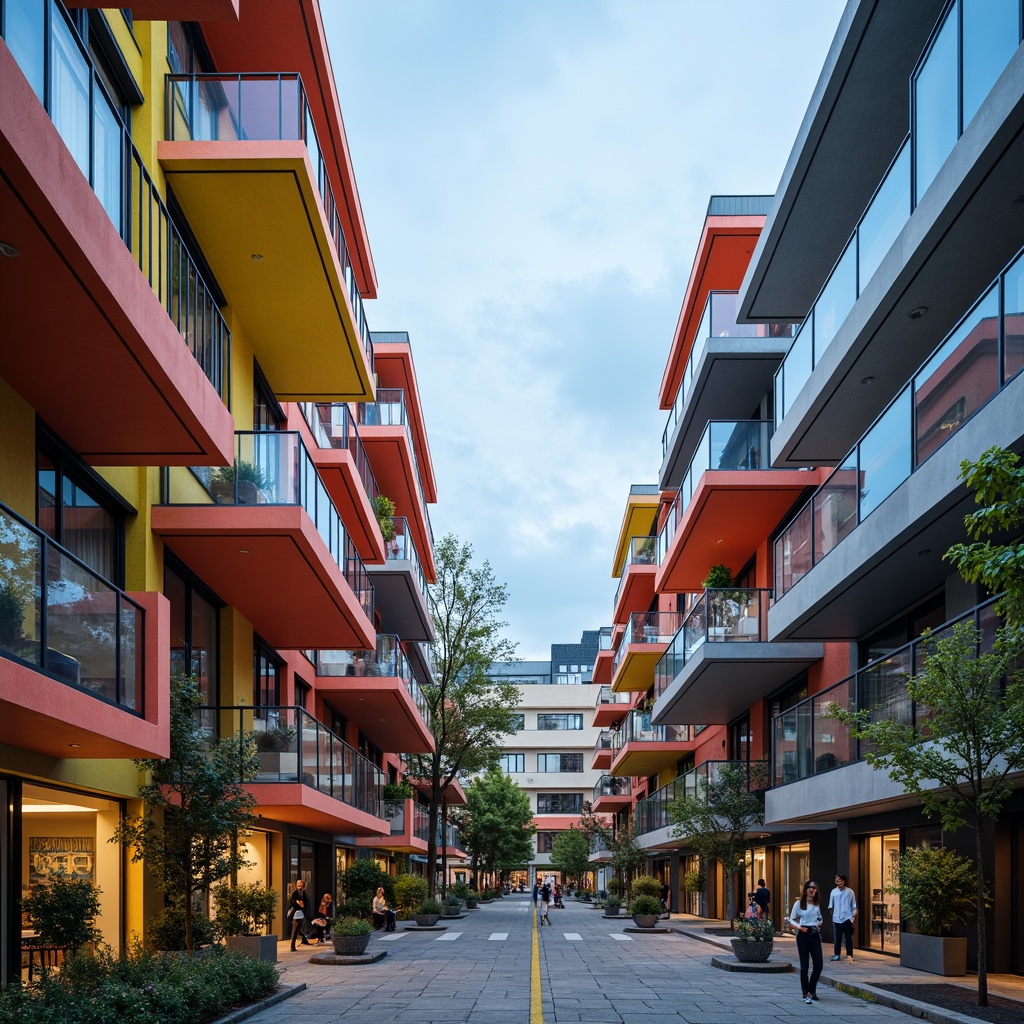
<point>628,856</point>
<point>64,911</point>
<point>570,854</point>
<point>716,820</point>
<point>997,480</point>
<point>469,714</point>
<point>497,824</point>
<point>966,738</point>
<point>194,806</point>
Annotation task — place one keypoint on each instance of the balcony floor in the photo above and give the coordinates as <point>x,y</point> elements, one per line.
<point>383,709</point>
<point>298,804</point>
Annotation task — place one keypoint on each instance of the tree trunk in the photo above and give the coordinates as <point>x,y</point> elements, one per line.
<point>444,846</point>
<point>432,839</point>
<point>982,958</point>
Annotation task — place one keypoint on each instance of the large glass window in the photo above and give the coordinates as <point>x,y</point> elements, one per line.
<point>512,763</point>
<point>559,762</point>
<point>884,218</point>
<point>881,855</point>
<point>559,803</point>
<point>24,31</point>
<point>266,676</point>
<point>836,300</point>
<point>559,721</point>
<point>990,34</point>
<point>885,455</point>
<point>194,633</point>
<point>936,105</point>
<point>69,102</point>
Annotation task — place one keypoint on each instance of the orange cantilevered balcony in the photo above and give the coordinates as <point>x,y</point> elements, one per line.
<point>603,750</point>
<point>83,665</point>
<point>265,536</point>
<point>730,500</point>
<point>636,584</point>
<point>605,658</point>
<point>342,462</point>
<point>243,158</point>
<point>307,776</point>
<point>646,636</point>
<point>640,748</point>
<point>409,828</point>
<point>612,793</point>
<point>378,690</point>
<point>611,707</point>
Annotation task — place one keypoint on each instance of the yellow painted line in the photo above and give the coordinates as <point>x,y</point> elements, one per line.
<point>536,1012</point>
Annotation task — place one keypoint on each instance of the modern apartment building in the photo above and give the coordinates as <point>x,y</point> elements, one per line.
<point>894,249</point>
<point>196,422</point>
<point>550,756</point>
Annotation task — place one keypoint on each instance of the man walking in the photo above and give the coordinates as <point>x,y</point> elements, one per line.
<point>843,905</point>
<point>763,897</point>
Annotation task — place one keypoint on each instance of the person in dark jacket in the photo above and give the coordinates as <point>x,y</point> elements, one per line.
<point>298,904</point>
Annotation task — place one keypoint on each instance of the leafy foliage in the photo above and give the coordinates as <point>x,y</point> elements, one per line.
<point>718,577</point>
<point>997,480</point>
<point>429,906</point>
<point>359,884</point>
<point>244,909</point>
<point>570,854</point>
<point>936,888</point>
<point>410,892</point>
<point>754,930</point>
<point>646,906</point>
<point>497,825</point>
<point>64,911</point>
<point>646,885</point>
<point>695,880</point>
<point>166,931</point>
<point>384,510</point>
<point>352,926</point>
<point>715,821</point>
<point>195,804</point>
<point>469,714</point>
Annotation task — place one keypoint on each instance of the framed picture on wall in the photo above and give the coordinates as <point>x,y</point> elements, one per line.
<point>72,856</point>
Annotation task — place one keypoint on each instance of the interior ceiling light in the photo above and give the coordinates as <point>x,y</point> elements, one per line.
<point>917,312</point>
<point>257,257</point>
<point>7,249</point>
<point>866,380</point>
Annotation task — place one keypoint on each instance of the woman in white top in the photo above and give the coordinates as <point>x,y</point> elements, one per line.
<point>805,918</point>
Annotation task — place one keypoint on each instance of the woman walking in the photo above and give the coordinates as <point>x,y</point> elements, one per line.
<point>805,918</point>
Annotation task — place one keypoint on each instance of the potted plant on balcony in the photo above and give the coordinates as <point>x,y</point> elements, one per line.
<point>275,748</point>
<point>252,482</point>
<point>753,940</point>
<point>384,510</point>
<point>428,914</point>
<point>350,936</point>
<point>395,791</point>
<point>646,910</point>
<point>452,906</point>
<point>937,890</point>
<point>244,913</point>
<point>719,577</point>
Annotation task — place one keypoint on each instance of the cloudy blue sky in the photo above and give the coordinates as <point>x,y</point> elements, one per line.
<point>534,176</point>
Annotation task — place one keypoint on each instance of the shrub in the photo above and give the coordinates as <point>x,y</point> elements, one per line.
<point>648,905</point>
<point>244,909</point>
<point>937,889</point>
<point>429,907</point>
<point>472,896</point>
<point>614,886</point>
<point>613,903</point>
<point>410,892</point>
<point>646,885</point>
<point>64,911</point>
<point>363,879</point>
<point>166,932</point>
<point>754,930</point>
<point>453,901</point>
<point>351,926</point>
<point>460,889</point>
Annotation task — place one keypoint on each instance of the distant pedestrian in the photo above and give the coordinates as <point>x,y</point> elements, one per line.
<point>753,911</point>
<point>545,903</point>
<point>764,898</point>
<point>665,896</point>
<point>536,893</point>
<point>843,904</point>
<point>805,918</point>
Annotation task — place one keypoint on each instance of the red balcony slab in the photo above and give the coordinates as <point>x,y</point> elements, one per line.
<point>611,803</point>
<point>86,341</point>
<point>636,591</point>
<point>295,803</point>
<point>383,708</point>
<point>337,469</point>
<point>170,10</point>
<point>62,721</point>
<point>270,562</point>
<point>728,518</point>
<point>602,758</point>
<point>603,667</point>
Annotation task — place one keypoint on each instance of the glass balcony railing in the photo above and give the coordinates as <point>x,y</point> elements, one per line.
<point>334,427</point>
<point>421,822</point>
<point>806,741</point>
<point>653,812</point>
<point>972,363</point>
<point>402,549</point>
<point>262,107</point>
<point>389,659</point>
<point>639,551</point>
<point>60,617</point>
<point>718,616</point>
<point>967,52</point>
<point>647,628</point>
<point>394,811</point>
<point>292,746</point>
<point>724,445</point>
<point>608,696</point>
<point>612,785</point>
<point>60,69</point>
<point>604,639</point>
<point>389,410</point>
<point>273,467</point>
<point>717,321</point>
<point>636,727</point>
<point>605,740</point>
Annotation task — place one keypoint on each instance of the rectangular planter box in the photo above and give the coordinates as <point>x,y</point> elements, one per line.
<point>259,947</point>
<point>935,954</point>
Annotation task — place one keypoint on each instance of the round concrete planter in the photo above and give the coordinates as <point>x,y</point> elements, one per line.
<point>426,920</point>
<point>645,920</point>
<point>471,904</point>
<point>451,911</point>
<point>350,945</point>
<point>751,952</point>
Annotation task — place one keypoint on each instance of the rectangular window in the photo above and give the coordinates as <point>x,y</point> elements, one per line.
<point>510,763</point>
<point>518,723</point>
<point>559,762</point>
<point>573,722</point>
<point>569,679</point>
<point>559,803</point>
<point>266,676</point>
<point>193,633</point>
<point>545,840</point>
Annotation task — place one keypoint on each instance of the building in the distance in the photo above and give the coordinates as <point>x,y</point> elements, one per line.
<point>550,755</point>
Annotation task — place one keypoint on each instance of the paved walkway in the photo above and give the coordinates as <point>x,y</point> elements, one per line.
<point>591,971</point>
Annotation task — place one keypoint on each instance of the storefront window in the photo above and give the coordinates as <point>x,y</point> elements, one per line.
<point>796,869</point>
<point>882,856</point>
